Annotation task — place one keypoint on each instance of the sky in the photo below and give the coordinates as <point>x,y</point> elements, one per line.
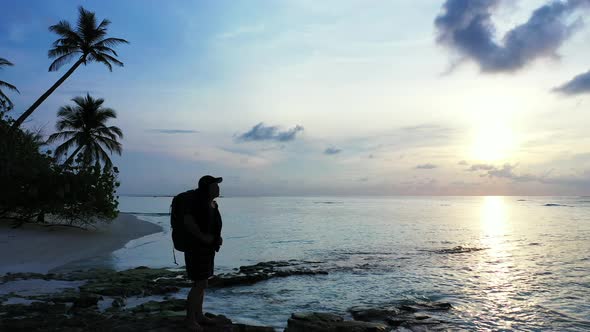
<point>399,97</point>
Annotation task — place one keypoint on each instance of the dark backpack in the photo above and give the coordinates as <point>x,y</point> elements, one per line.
<point>180,236</point>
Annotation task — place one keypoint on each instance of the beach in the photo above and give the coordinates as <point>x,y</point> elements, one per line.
<point>40,249</point>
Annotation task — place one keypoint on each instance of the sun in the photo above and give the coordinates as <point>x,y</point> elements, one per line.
<point>493,142</point>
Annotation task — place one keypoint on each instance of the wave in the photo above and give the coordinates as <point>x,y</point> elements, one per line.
<point>554,204</point>
<point>157,214</point>
<point>294,241</point>
<point>456,250</point>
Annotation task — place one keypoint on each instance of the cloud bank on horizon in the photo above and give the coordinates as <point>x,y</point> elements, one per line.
<point>466,27</point>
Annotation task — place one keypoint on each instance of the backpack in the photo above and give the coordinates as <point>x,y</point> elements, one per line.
<point>180,236</point>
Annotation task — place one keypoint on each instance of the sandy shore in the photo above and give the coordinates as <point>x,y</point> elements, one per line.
<point>35,248</point>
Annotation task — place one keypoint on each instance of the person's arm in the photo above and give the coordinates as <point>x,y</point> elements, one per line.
<point>191,226</point>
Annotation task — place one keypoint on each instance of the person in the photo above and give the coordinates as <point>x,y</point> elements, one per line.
<point>202,221</point>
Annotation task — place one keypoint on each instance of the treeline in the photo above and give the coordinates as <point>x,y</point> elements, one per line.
<point>75,184</point>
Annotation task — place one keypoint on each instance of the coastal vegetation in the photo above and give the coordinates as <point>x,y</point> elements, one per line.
<point>78,187</point>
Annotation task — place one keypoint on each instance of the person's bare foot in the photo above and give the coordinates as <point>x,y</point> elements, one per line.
<point>192,325</point>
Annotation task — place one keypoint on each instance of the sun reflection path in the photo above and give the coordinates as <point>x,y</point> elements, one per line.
<point>494,216</point>
<point>498,283</point>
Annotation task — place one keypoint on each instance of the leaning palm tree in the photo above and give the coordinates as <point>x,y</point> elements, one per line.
<point>83,126</point>
<point>87,42</point>
<point>5,102</point>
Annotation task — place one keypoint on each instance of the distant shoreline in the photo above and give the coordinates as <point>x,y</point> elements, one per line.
<point>40,249</point>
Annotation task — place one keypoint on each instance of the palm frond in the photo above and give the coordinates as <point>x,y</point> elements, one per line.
<point>64,29</point>
<point>66,111</point>
<point>110,144</point>
<point>62,60</point>
<point>104,49</point>
<point>102,155</point>
<point>65,146</point>
<point>98,57</point>
<point>62,135</point>
<point>104,24</point>
<point>112,59</point>
<point>111,132</point>
<point>8,86</point>
<point>110,42</point>
<point>4,62</point>
<point>62,50</point>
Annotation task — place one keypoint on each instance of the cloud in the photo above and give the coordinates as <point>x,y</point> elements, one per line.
<point>173,131</point>
<point>463,163</point>
<point>260,132</point>
<point>466,27</point>
<point>481,167</point>
<point>506,171</point>
<point>332,151</point>
<point>426,166</point>
<point>578,85</point>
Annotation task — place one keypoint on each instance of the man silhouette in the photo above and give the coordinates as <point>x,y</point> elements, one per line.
<point>202,221</point>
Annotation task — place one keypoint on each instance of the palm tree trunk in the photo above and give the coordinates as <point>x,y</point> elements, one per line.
<point>70,158</point>
<point>41,99</point>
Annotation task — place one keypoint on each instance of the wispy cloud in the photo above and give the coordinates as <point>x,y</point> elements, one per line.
<point>260,132</point>
<point>466,26</point>
<point>332,151</point>
<point>173,131</point>
<point>426,166</point>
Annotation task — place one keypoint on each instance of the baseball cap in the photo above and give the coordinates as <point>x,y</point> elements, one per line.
<point>207,180</point>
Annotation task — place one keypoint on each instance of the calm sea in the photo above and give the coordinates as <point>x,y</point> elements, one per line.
<point>532,274</point>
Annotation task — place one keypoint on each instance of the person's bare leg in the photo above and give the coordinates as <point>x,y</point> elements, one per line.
<point>200,316</point>
<point>194,301</point>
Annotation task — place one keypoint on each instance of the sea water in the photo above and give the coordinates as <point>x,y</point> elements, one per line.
<point>533,272</point>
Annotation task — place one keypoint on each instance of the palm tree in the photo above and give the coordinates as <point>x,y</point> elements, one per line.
<point>84,126</point>
<point>5,102</point>
<point>87,42</point>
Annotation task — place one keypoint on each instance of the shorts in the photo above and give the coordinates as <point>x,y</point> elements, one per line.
<point>199,263</point>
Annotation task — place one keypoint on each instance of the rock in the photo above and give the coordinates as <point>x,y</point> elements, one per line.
<point>118,302</point>
<point>374,315</point>
<point>170,305</point>
<point>151,316</point>
<point>87,300</point>
<point>252,274</point>
<point>326,322</point>
<point>407,316</point>
<point>134,282</point>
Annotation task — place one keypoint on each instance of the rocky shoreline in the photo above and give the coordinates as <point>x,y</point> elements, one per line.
<point>99,303</point>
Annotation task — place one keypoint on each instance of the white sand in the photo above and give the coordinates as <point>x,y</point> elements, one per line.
<point>35,248</point>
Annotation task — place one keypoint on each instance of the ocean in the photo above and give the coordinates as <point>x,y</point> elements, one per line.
<point>524,263</point>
